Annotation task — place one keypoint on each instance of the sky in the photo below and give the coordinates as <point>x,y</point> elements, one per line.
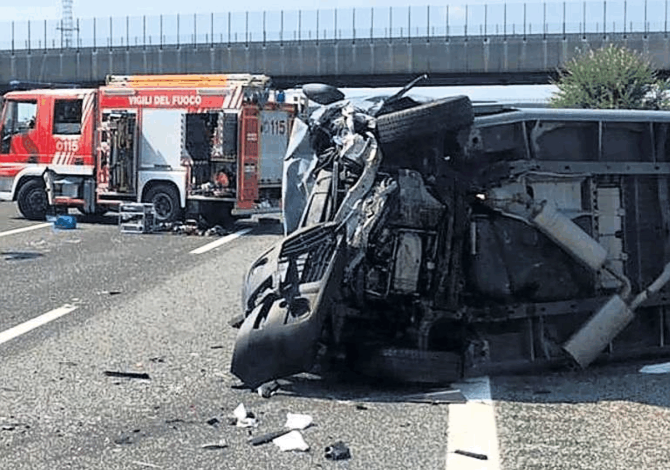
<point>51,9</point>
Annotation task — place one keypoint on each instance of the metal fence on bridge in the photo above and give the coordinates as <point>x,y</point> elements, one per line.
<point>430,21</point>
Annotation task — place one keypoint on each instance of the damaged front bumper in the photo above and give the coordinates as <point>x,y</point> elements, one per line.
<point>288,305</point>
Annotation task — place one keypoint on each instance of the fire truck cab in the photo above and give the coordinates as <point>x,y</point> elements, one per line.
<point>208,145</point>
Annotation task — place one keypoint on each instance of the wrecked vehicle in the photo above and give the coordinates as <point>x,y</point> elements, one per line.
<point>426,242</point>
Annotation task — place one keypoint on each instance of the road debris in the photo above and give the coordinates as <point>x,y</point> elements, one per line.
<point>298,421</point>
<point>129,375</point>
<point>291,441</point>
<point>20,255</point>
<point>663,368</point>
<point>245,419</point>
<point>338,451</point>
<point>213,421</point>
<point>110,292</point>
<point>189,227</point>
<point>130,438</point>
<point>451,396</point>
<point>268,437</point>
<point>268,389</point>
<point>433,397</point>
<point>294,422</point>
<point>215,445</point>
<point>137,218</point>
<point>65,222</point>
<point>145,464</point>
<point>473,455</point>
<point>217,230</point>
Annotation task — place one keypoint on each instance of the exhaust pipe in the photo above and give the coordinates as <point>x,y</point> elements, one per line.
<point>587,343</point>
<point>569,236</point>
<point>599,331</point>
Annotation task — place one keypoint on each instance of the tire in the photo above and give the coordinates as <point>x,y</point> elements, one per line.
<point>165,199</point>
<point>32,200</point>
<point>410,365</point>
<point>447,114</point>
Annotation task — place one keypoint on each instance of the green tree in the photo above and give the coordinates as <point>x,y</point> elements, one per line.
<point>612,77</point>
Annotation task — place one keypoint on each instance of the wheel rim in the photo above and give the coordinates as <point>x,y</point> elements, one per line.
<point>37,201</point>
<point>162,205</point>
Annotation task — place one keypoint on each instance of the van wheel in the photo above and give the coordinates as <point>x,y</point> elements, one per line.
<point>435,117</point>
<point>32,200</point>
<point>166,202</point>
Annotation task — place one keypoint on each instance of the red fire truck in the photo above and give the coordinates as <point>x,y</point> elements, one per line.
<point>208,145</point>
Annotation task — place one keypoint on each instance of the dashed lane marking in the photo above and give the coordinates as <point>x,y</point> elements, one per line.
<point>24,229</point>
<point>472,428</point>
<point>220,241</point>
<point>36,322</point>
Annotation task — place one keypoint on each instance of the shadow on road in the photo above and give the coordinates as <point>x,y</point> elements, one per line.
<point>620,382</point>
<point>614,382</point>
<point>343,386</point>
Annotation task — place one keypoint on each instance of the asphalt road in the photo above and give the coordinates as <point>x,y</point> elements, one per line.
<point>145,304</point>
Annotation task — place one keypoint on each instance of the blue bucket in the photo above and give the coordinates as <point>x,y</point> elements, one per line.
<point>66,222</point>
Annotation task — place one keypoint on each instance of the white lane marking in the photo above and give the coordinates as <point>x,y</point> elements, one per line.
<point>25,327</point>
<point>24,229</point>
<point>663,368</point>
<point>220,241</point>
<point>472,428</point>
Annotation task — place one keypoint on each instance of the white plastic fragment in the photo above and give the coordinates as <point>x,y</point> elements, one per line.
<point>247,423</point>
<point>663,368</point>
<point>268,389</point>
<point>291,441</point>
<point>297,421</point>
<point>240,412</point>
<point>244,419</point>
<point>215,445</point>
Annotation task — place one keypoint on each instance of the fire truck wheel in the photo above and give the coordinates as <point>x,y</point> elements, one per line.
<point>32,200</point>
<point>166,202</point>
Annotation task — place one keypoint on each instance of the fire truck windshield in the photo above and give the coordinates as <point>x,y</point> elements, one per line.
<point>19,118</point>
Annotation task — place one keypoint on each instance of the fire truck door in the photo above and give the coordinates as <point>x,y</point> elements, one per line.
<point>247,168</point>
<point>20,134</point>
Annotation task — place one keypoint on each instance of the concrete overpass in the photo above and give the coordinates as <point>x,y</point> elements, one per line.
<point>465,60</point>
